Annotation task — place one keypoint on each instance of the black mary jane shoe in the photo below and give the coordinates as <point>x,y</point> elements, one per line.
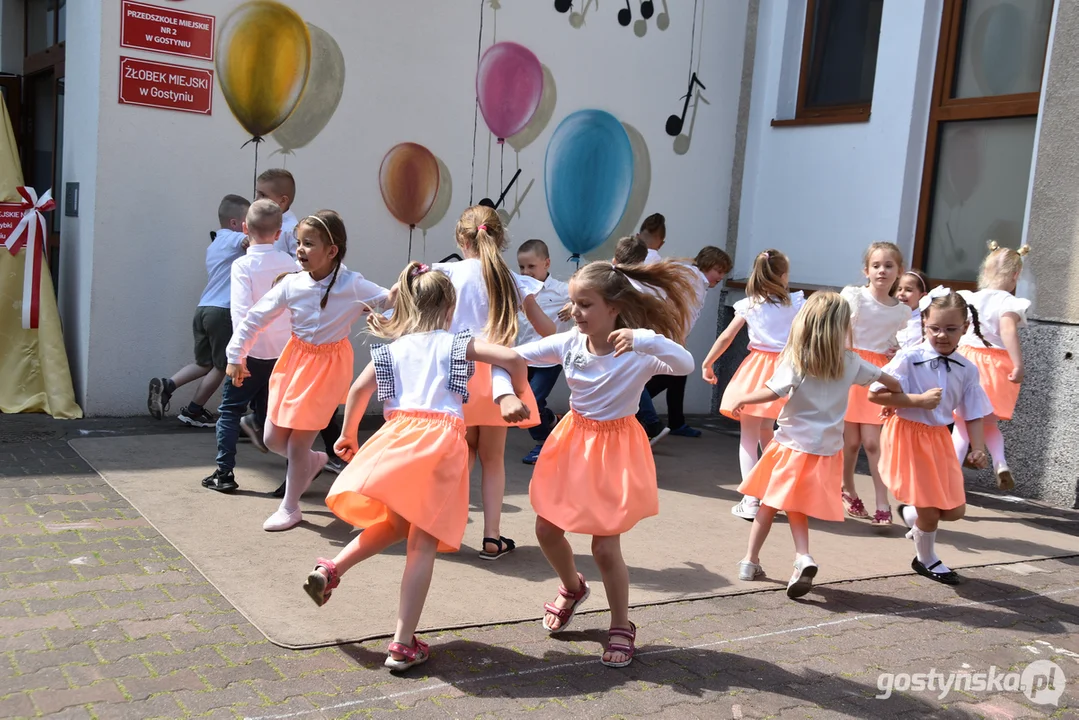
<point>947,578</point>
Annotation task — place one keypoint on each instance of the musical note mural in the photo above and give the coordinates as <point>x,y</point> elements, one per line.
<point>625,15</point>
<point>676,124</point>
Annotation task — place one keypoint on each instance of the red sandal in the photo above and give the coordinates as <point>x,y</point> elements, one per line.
<point>320,586</point>
<point>854,507</point>
<point>415,654</point>
<point>566,614</point>
<point>626,648</point>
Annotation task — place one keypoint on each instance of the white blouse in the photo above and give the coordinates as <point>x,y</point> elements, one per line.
<point>991,305</point>
<point>551,297</point>
<point>423,371</point>
<point>911,334</point>
<point>473,305</point>
<point>921,369</point>
<point>605,387</point>
<point>351,298</point>
<point>811,421</point>
<point>874,324</point>
<point>769,325</point>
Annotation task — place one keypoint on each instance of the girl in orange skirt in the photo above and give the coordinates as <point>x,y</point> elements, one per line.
<point>489,296</point>
<point>999,358</point>
<point>917,460</point>
<point>767,312</point>
<point>876,318</point>
<point>313,373</point>
<point>410,480</point>
<point>802,468</point>
<point>595,474</point>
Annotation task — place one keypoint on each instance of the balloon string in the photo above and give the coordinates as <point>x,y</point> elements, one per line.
<point>256,139</point>
<point>476,113</point>
<point>502,166</point>
<point>410,229</point>
<point>693,38</point>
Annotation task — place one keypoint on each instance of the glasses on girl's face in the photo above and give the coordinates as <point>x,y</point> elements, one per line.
<point>936,330</point>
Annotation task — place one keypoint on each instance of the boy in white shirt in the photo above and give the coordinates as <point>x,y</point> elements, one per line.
<point>654,234</point>
<point>252,277</point>
<point>277,184</point>
<point>212,325</point>
<point>534,259</point>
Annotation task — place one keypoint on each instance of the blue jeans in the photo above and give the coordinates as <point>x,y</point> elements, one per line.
<point>542,380</point>
<point>234,401</point>
<point>646,413</point>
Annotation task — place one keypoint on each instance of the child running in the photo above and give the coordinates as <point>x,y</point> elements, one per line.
<point>801,470</point>
<point>1000,358</point>
<point>767,312</point>
<point>410,480</point>
<point>596,475</point>
<point>489,296</point>
<point>876,318</point>
<point>918,461</point>
<point>312,376</point>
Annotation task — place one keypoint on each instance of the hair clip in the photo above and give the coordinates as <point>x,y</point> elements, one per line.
<point>419,270</point>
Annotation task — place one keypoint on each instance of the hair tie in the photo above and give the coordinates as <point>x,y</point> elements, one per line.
<point>481,227</point>
<point>419,270</point>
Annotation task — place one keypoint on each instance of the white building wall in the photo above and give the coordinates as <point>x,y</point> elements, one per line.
<point>151,182</point>
<point>823,193</point>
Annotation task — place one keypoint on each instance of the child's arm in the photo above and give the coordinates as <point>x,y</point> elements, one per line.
<point>359,395</point>
<point>261,314</point>
<point>513,410</point>
<point>539,320</point>
<point>670,358</point>
<point>976,432</point>
<point>889,398</point>
<point>1009,333</point>
<point>719,347</point>
<point>762,395</point>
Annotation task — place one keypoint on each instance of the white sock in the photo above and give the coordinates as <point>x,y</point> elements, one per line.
<point>925,544</point>
<point>910,515</point>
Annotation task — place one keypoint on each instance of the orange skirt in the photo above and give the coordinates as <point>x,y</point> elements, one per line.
<point>308,383</point>
<point>415,466</point>
<point>481,408</point>
<point>993,365</point>
<point>794,481</point>
<point>859,409</point>
<point>751,375</point>
<point>595,477</point>
<point>918,464</point>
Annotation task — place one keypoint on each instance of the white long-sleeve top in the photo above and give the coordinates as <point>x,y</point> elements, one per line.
<point>351,298</point>
<point>921,368</point>
<point>874,324</point>
<point>991,306</point>
<point>551,298</point>
<point>911,335</point>
<point>605,387</point>
<point>768,324</point>
<point>287,242</point>
<point>253,276</point>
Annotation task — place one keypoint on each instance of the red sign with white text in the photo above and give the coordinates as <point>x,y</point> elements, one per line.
<point>10,215</point>
<point>175,32</point>
<point>170,87</point>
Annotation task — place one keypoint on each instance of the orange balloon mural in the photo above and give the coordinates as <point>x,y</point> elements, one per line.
<point>408,179</point>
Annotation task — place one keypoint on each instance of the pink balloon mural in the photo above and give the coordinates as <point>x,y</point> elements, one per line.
<point>509,85</point>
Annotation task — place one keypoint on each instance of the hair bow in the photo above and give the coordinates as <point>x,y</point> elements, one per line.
<point>938,291</point>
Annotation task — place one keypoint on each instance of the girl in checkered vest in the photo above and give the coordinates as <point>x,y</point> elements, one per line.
<point>410,479</point>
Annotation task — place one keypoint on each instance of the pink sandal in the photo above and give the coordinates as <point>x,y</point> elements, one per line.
<point>626,648</point>
<point>415,654</point>
<point>566,614</point>
<point>320,586</point>
<point>854,507</point>
<point>882,518</point>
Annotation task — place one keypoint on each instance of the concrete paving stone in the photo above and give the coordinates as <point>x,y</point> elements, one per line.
<point>217,636</point>
<point>299,665</point>
<point>13,626</point>
<point>31,662</point>
<point>223,677</point>
<point>141,688</point>
<point>17,705</point>
<point>75,587</point>
<point>77,712</point>
<point>77,603</point>
<point>123,614</point>
<point>79,675</point>
<point>37,577</point>
<point>245,652</point>
<point>240,696</point>
<point>27,592</point>
<point>54,699</point>
<point>199,658</point>
<point>205,621</point>
<point>12,609</point>
<point>194,589</point>
<point>119,595</point>
<point>149,646</point>
<point>280,690</point>
<point>162,706</point>
<point>30,640</point>
<point>298,707</point>
<point>169,626</point>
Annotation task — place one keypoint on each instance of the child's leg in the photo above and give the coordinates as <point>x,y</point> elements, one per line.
<point>303,464</point>
<point>767,431</point>
<point>925,538</point>
<point>799,524</point>
<point>276,438</point>
<point>209,385</point>
<point>748,443</point>
<point>559,553</point>
<point>491,450</point>
<point>607,550</point>
<point>188,373</point>
<point>233,401</point>
<point>762,524</point>
<point>870,435</point>
<point>415,582</point>
<point>994,442</point>
<point>852,443</point>
<point>676,401</point>
<point>960,439</point>
<point>371,542</point>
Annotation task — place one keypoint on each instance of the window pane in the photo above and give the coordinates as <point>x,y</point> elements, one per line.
<point>979,193</point>
<point>61,32</point>
<point>40,25</point>
<point>843,52</point>
<point>1002,47</point>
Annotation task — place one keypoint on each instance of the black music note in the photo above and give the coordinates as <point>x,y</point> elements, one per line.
<point>647,8</point>
<point>675,123</point>
<point>625,15</point>
<point>496,205</point>
<point>563,6</point>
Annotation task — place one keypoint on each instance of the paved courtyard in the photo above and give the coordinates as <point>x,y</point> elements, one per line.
<point>100,617</point>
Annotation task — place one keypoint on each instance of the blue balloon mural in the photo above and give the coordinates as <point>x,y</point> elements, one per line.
<point>589,175</point>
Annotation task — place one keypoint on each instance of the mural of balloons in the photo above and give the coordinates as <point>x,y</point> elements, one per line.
<point>589,177</point>
<point>325,86</point>
<point>263,59</point>
<point>509,86</point>
<point>409,181</point>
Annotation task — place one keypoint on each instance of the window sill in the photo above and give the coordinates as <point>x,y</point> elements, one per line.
<point>822,120</point>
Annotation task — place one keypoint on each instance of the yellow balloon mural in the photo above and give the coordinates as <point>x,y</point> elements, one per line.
<point>263,58</point>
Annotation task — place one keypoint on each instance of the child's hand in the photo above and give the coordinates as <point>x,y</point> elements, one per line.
<point>736,411</point>
<point>886,412</point>
<point>237,372</point>
<point>622,341</point>
<point>566,313</point>
<point>513,410</point>
<point>1016,375</point>
<point>891,352</point>
<point>346,448</point>
<point>978,459</point>
<point>930,399</point>
<point>708,375</point>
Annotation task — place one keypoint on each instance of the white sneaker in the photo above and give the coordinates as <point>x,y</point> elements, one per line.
<point>662,434</point>
<point>746,508</point>
<point>749,571</point>
<point>282,520</point>
<point>801,581</point>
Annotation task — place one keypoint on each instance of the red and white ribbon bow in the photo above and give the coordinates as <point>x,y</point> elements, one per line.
<point>32,233</point>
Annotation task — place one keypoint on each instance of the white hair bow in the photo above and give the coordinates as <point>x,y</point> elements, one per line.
<point>938,291</point>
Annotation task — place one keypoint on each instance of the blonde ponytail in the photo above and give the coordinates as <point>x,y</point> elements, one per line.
<point>480,230</point>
